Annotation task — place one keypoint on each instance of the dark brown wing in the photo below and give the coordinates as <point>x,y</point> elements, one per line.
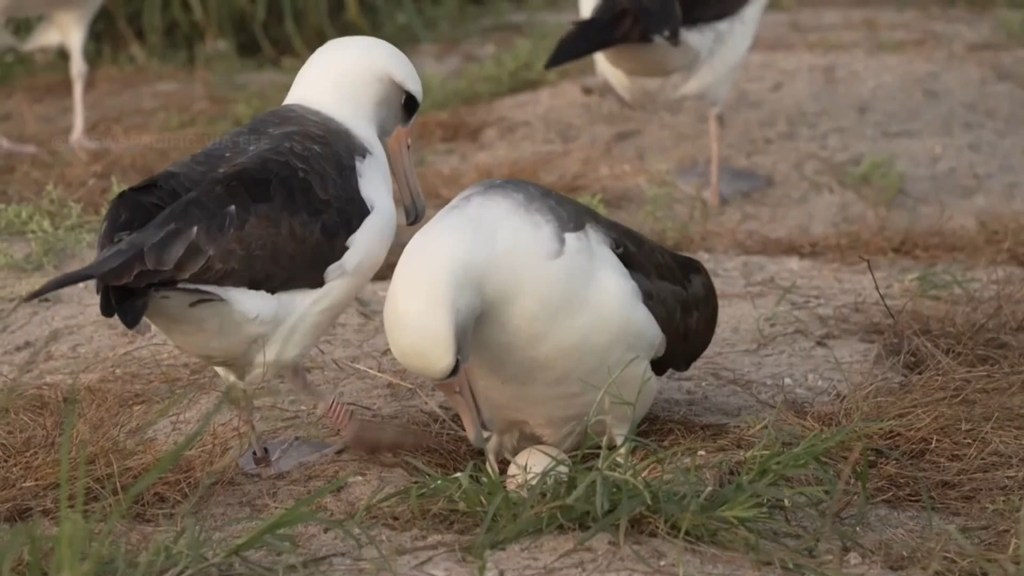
<point>268,207</point>
<point>616,22</point>
<point>677,289</point>
<point>699,12</point>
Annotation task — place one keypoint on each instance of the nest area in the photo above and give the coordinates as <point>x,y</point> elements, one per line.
<point>947,433</point>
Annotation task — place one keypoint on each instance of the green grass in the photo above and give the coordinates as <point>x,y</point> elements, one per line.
<point>1011,22</point>
<point>771,500</point>
<point>37,235</point>
<point>514,68</point>
<point>669,216</point>
<point>182,31</point>
<point>878,179</point>
<point>941,281</point>
<point>86,540</point>
<point>595,202</point>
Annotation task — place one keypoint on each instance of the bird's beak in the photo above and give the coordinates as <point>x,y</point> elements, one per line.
<point>399,151</point>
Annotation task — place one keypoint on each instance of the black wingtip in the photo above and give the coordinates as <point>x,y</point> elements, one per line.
<point>60,282</point>
<point>583,39</point>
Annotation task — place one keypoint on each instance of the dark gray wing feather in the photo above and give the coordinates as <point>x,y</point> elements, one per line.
<point>700,12</point>
<point>616,22</point>
<point>268,207</point>
<point>677,289</point>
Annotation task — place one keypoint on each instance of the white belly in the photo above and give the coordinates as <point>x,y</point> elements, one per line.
<point>252,334</point>
<point>570,343</point>
<point>653,60</point>
<point>548,332</point>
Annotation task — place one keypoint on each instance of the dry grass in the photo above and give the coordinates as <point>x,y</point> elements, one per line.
<point>945,438</point>
<point>107,477</point>
<point>942,442</point>
<point>948,436</point>
<point>190,108</point>
<point>569,171</point>
<point>113,444</point>
<point>993,241</point>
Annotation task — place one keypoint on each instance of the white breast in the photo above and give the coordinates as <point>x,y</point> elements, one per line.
<point>552,330</point>
<point>722,47</point>
<point>655,60</point>
<point>257,334</point>
<point>560,334</point>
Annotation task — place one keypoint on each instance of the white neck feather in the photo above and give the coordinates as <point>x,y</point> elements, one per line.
<point>357,110</point>
<point>358,81</point>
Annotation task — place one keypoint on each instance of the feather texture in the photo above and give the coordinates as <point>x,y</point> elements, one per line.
<point>269,207</point>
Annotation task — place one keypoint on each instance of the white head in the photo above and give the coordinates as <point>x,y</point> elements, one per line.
<point>369,86</point>
<point>587,7</point>
<point>433,301</point>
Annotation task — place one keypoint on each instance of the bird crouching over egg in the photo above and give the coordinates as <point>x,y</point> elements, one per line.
<point>541,320</point>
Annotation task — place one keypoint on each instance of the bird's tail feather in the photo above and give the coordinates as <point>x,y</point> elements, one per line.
<point>63,281</point>
<point>104,264</point>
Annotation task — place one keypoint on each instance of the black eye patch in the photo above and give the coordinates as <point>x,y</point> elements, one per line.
<point>410,105</point>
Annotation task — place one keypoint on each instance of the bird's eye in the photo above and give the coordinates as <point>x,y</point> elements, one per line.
<point>410,106</point>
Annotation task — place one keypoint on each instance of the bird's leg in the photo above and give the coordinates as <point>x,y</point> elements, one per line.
<point>459,393</point>
<point>297,377</point>
<point>491,451</point>
<point>616,438</point>
<point>78,70</point>
<point>724,183</point>
<point>238,396</point>
<point>368,436</point>
<point>715,123</point>
<point>281,455</point>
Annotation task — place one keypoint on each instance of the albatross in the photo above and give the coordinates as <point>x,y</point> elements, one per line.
<point>65,24</point>
<point>245,253</point>
<point>540,320</point>
<point>641,38</point>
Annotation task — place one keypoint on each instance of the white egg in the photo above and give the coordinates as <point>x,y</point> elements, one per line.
<point>526,468</point>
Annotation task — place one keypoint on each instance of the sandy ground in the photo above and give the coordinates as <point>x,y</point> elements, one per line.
<point>937,92</point>
<point>784,332</point>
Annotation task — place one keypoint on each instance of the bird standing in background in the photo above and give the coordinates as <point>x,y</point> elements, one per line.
<point>707,39</point>
<point>65,24</point>
<point>246,253</point>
